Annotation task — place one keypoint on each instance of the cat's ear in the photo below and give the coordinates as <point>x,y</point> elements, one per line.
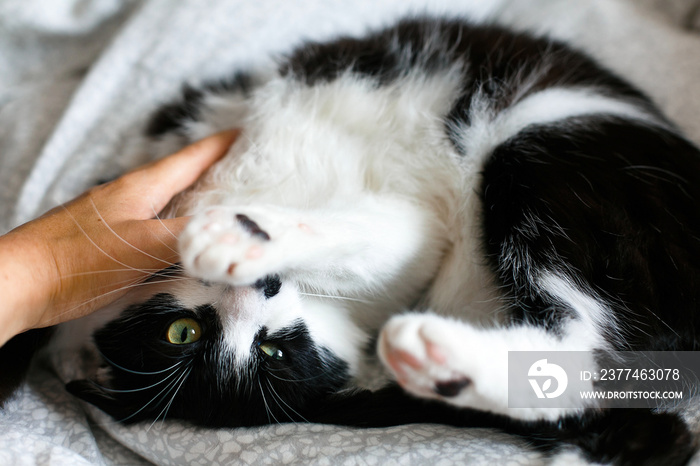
<point>96,395</point>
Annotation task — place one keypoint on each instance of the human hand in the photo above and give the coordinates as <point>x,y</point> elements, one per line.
<point>83,255</point>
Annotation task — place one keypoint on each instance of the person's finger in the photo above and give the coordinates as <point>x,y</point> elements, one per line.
<point>156,240</point>
<point>178,171</point>
<point>168,226</point>
<point>182,168</point>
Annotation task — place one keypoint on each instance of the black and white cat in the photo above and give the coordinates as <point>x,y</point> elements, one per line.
<point>438,194</point>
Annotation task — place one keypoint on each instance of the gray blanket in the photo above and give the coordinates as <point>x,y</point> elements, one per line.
<point>78,78</point>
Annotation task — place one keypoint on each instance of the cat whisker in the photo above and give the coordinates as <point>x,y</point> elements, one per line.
<point>145,272</point>
<point>276,400</point>
<point>57,317</point>
<point>267,407</point>
<point>663,322</point>
<point>157,217</point>
<point>125,241</point>
<point>270,371</point>
<point>131,284</point>
<point>167,389</point>
<point>131,371</point>
<point>276,396</point>
<point>335,297</point>
<point>79,274</point>
<point>82,230</point>
<point>165,410</point>
<point>168,280</point>
<point>137,283</point>
<point>134,390</point>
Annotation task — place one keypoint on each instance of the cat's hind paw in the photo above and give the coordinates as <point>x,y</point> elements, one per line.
<point>435,357</point>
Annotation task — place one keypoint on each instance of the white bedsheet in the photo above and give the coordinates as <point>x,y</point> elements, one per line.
<point>78,78</point>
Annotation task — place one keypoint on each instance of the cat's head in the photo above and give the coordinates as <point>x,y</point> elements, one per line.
<point>220,356</point>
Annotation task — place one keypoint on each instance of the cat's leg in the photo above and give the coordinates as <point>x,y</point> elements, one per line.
<point>357,245</point>
<point>467,365</point>
<point>575,246</point>
<point>454,361</point>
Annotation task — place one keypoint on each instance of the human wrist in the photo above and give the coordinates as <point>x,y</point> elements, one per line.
<point>23,284</point>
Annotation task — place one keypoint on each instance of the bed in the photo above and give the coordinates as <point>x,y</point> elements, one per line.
<point>79,79</point>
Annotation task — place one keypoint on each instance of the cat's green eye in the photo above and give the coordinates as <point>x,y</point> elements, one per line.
<point>184,331</point>
<point>272,351</point>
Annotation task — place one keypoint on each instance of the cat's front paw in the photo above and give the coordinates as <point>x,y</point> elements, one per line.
<point>435,357</point>
<point>226,245</point>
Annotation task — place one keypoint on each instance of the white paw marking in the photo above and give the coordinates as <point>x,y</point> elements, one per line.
<point>436,357</point>
<point>234,245</point>
<point>419,351</point>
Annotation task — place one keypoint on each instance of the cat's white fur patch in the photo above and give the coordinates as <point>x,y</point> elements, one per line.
<point>593,318</point>
<point>487,128</point>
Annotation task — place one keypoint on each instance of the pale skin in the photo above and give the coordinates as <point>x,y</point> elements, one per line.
<point>85,254</point>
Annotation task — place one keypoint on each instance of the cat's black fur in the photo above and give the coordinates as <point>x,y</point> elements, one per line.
<point>205,393</point>
<point>635,238</point>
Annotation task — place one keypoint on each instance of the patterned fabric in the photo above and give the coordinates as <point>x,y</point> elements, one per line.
<point>79,79</point>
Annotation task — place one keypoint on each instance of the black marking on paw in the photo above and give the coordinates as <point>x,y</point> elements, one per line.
<point>451,388</point>
<point>270,285</point>
<point>252,227</point>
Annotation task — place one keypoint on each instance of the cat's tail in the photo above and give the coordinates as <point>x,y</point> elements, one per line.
<point>623,436</point>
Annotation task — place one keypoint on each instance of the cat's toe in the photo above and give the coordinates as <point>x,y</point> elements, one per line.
<point>420,363</point>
